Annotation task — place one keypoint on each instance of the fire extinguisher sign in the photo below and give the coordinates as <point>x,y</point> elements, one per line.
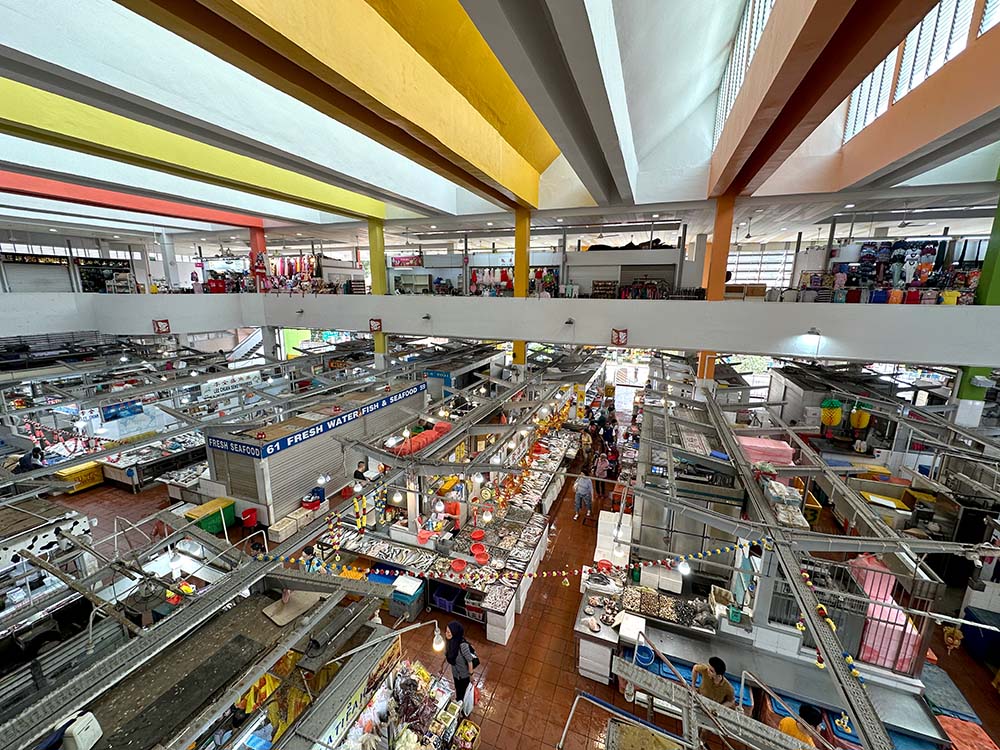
<point>619,336</point>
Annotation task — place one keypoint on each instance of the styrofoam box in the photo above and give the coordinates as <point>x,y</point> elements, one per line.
<point>83,733</point>
<point>282,530</point>
<point>302,516</point>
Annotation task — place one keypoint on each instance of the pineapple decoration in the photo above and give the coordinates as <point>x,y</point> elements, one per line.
<point>831,415</point>
<point>952,638</point>
<point>861,417</point>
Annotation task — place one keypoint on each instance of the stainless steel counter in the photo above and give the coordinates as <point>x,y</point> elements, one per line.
<point>902,711</point>
<point>607,635</point>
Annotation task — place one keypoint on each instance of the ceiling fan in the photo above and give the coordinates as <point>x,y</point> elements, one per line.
<point>904,223</point>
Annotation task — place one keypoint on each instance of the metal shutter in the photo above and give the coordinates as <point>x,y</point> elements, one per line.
<point>37,277</point>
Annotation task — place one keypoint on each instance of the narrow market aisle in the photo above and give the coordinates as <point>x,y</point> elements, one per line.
<point>530,684</point>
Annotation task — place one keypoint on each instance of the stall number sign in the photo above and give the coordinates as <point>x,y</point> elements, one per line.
<point>581,400</point>
<point>161,326</point>
<point>283,443</point>
<point>230,383</point>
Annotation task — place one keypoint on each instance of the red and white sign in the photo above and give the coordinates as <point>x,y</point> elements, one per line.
<point>161,326</point>
<point>407,261</point>
<point>374,325</point>
<point>619,336</point>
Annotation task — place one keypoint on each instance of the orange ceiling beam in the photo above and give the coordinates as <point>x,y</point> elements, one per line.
<point>957,100</point>
<point>42,187</point>
<point>811,55</point>
<point>356,75</point>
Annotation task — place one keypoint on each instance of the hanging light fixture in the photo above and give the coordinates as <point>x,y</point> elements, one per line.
<point>477,477</point>
<point>438,643</point>
<point>123,358</point>
<point>406,432</point>
<point>357,488</point>
<point>397,496</point>
<point>442,413</point>
<point>684,568</point>
<point>487,515</point>
<point>496,459</point>
<point>439,506</point>
<point>321,480</point>
<point>512,444</point>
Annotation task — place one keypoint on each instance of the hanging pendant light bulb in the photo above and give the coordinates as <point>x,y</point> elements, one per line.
<point>397,496</point>
<point>512,444</point>
<point>321,480</point>
<point>477,477</point>
<point>357,488</point>
<point>684,568</point>
<point>406,432</point>
<point>439,506</point>
<point>487,515</point>
<point>496,459</point>
<point>442,413</point>
<point>438,643</point>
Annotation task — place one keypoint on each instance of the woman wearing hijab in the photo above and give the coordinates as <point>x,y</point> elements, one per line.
<point>459,655</point>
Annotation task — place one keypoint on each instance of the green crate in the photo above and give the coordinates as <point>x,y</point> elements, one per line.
<point>213,524</point>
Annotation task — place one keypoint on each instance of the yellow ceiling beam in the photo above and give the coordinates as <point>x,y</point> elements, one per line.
<point>39,115</point>
<point>444,35</point>
<point>346,60</point>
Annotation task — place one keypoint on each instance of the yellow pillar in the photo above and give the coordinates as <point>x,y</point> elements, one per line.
<point>380,283</point>
<point>522,263</point>
<point>714,272</point>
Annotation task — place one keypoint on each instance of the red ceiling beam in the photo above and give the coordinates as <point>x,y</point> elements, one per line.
<point>811,56</point>
<point>42,187</point>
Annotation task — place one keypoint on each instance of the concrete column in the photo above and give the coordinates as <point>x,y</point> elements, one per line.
<point>714,273</point>
<point>258,257</point>
<point>380,283</point>
<point>522,263</point>
<point>269,342</point>
<point>169,261</point>
<point>987,293</point>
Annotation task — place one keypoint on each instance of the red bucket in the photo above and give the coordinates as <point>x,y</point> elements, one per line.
<point>249,517</point>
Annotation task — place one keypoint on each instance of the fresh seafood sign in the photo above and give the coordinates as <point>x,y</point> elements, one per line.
<point>276,446</point>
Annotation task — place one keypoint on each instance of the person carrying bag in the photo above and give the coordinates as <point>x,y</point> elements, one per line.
<point>463,660</point>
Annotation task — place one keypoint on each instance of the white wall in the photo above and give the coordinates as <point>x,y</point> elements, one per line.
<point>943,335</point>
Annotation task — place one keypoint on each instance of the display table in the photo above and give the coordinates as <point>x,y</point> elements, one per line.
<point>182,483</point>
<point>137,467</point>
<point>82,476</point>
<point>594,650</point>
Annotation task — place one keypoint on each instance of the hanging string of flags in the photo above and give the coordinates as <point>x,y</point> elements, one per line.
<point>463,578</point>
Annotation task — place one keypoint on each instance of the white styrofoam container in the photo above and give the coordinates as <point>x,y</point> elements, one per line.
<point>282,530</point>
<point>83,733</point>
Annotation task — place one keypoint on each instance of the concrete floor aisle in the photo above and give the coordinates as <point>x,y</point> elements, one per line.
<point>530,684</point>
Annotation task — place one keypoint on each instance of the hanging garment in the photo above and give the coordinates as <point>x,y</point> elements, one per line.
<point>840,295</point>
<point>912,297</point>
<point>950,297</point>
<point>879,296</point>
<point>896,296</point>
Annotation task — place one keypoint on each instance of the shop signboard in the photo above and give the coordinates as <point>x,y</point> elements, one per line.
<point>441,374</point>
<point>314,430</point>
<point>122,409</point>
<point>619,336</point>
<point>364,692</point>
<point>161,326</point>
<point>374,325</point>
<point>407,261</point>
<point>230,384</point>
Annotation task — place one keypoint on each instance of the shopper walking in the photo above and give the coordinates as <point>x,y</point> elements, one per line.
<point>460,655</point>
<point>584,489</point>
<point>601,468</point>
<point>808,715</point>
<point>586,447</point>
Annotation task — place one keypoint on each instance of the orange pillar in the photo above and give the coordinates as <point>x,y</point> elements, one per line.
<point>714,274</point>
<point>258,257</point>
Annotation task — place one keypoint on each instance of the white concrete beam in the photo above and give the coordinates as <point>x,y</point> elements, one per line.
<point>949,335</point>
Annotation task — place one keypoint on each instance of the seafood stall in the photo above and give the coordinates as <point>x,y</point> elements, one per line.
<point>136,467</point>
